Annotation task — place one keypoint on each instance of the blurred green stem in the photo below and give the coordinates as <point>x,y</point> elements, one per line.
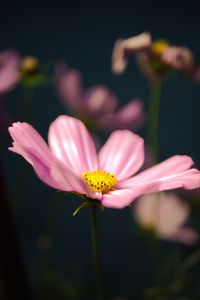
<point>96,253</point>
<point>154,106</point>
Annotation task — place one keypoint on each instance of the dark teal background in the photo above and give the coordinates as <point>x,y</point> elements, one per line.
<point>83,33</point>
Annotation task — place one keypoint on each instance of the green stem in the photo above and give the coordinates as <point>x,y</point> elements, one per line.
<point>96,254</point>
<point>154,106</point>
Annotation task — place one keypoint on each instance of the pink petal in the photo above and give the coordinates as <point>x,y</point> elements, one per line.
<point>118,199</point>
<point>130,45</point>
<point>129,116</point>
<point>170,166</point>
<point>99,100</point>
<point>69,86</point>
<point>28,143</point>
<point>9,70</point>
<point>186,235</point>
<point>189,179</point>
<point>179,58</point>
<point>122,154</point>
<point>71,143</point>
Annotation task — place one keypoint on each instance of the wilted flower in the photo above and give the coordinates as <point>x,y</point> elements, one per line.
<point>156,58</point>
<point>96,106</point>
<point>166,215</point>
<point>71,163</point>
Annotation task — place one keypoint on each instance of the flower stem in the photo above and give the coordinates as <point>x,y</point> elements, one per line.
<point>96,254</point>
<point>154,106</point>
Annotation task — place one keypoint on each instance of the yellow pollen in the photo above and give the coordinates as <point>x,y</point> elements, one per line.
<point>159,46</point>
<point>100,181</point>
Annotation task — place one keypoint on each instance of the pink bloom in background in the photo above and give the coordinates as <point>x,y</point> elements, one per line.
<point>9,70</point>
<point>156,58</point>
<point>166,215</point>
<point>96,105</point>
<point>9,77</point>
<point>71,163</point>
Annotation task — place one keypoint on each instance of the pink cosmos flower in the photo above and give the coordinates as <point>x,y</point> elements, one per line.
<point>9,70</point>
<point>156,58</point>
<point>96,105</point>
<point>166,214</point>
<point>71,163</point>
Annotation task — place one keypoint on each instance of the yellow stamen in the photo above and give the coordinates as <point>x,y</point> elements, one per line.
<point>159,46</point>
<point>100,181</point>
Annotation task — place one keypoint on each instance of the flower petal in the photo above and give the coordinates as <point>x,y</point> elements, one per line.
<point>71,143</point>
<point>9,70</point>
<point>129,116</point>
<point>118,198</point>
<point>69,86</point>
<point>28,143</point>
<point>130,45</point>
<point>172,165</point>
<point>186,235</point>
<point>179,58</point>
<point>99,100</point>
<point>122,154</point>
<point>189,179</point>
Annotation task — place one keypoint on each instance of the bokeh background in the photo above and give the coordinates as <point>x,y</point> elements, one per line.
<point>56,246</point>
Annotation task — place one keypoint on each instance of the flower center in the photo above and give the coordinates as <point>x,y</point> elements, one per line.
<point>100,181</point>
<point>159,46</point>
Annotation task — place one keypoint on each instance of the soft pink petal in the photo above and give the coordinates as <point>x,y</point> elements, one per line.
<point>99,100</point>
<point>71,143</point>
<point>129,116</point>
<point>29,144</point>
<point>189,179</point>
<point>69,86</point>
<point>122,154</point>
<point>186,235</point>
<point>9,70</point>
<point>130,45</point>
<point>118,199</point>
<point>170,166</point>
<point>166,212</point>
<point>179,58</point>
<point>119,59</point>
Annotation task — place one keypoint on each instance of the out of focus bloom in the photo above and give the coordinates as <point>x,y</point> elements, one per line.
<point>71,163</point>
<point>156,59</point>
<point>165,215</point>
<point>96,106</point>
<point>9,73</point>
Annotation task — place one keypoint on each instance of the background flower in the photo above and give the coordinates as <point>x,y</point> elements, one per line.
<point>157,58</point>
<point>96,106</point>
<point>166,215</point>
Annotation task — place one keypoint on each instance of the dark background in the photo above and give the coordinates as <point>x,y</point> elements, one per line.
<point>83,33</point>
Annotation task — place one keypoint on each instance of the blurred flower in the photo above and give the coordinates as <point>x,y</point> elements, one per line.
<point>157,59</point>
<point>9,74</point>
<point>96,106</point>
<point>9,77</point>
<point>166,215</point>
<point>71,163</point>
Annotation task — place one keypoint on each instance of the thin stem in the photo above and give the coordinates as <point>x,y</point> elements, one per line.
<point>96,254</point>
<point>154,106</point>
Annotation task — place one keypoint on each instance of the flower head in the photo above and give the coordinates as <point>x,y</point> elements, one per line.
<point>96,105</point>
<point>156,58</point>
<point>71,163</point>
<point>166,215</point>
